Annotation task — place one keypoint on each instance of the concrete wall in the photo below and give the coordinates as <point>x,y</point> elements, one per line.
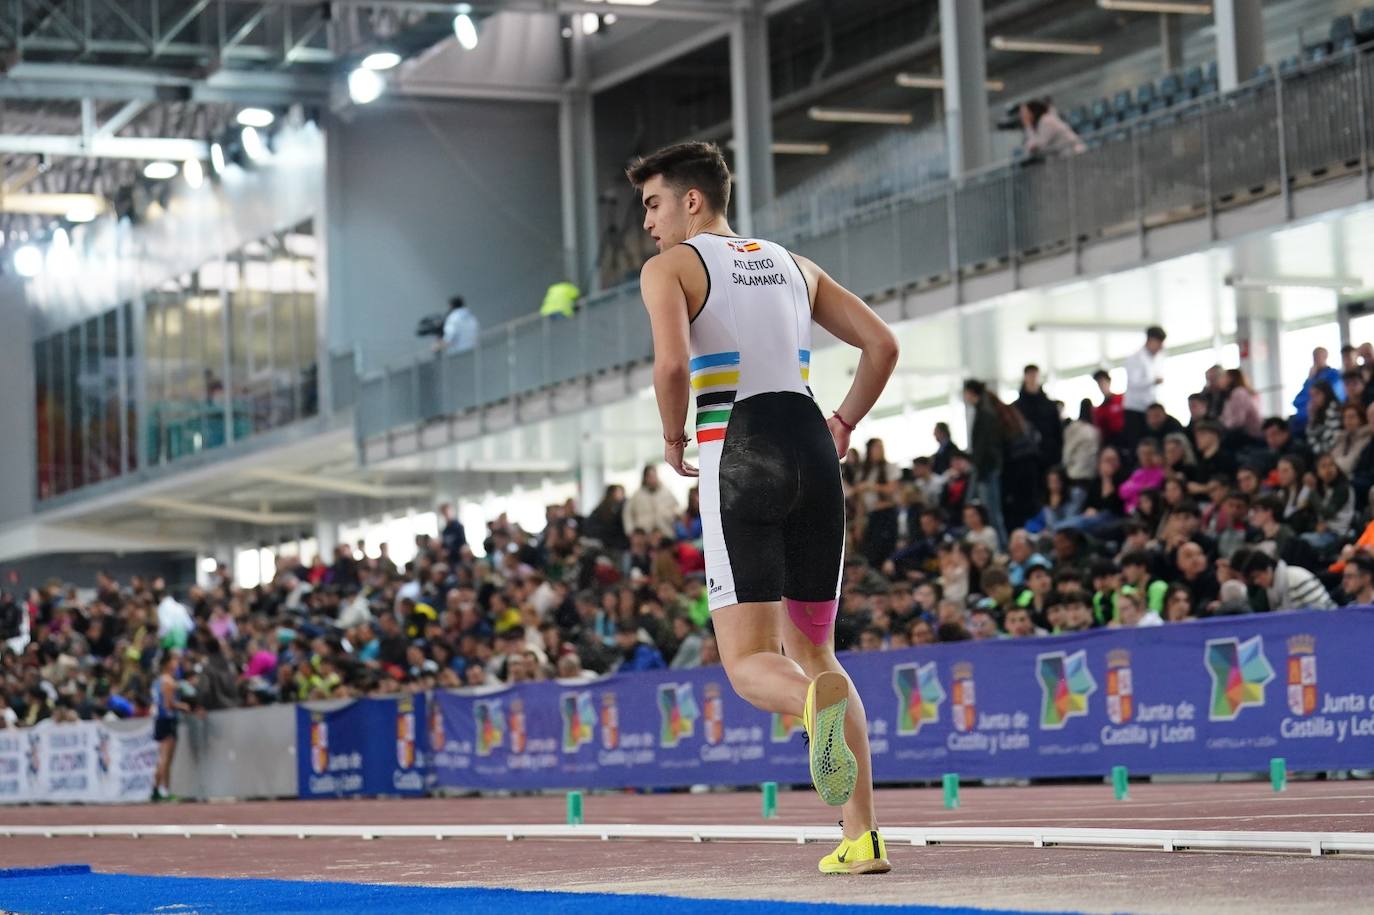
<point>431,200</point>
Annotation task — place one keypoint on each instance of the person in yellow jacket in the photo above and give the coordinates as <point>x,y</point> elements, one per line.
<point>561,299</point>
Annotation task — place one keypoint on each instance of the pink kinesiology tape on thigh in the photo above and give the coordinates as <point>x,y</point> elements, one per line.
<point>813,617</point>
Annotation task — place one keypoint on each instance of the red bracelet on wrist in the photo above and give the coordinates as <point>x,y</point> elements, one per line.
<point>843,421</point>
<point>680,440</point>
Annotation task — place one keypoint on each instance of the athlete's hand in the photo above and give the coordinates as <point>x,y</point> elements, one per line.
<point>841,436</point>
<point>673,454</point>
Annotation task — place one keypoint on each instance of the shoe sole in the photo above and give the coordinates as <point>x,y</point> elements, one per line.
<point>832,689</point>
<point>872,866</point>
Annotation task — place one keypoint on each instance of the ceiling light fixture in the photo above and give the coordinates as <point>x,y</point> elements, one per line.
<point>253,143</point>
<point>217,158</point>
<point>256,117</point>
<point>161,171</point>
<point>1338,284</point>
<point>858,116</point>
<point>464,28</point>
<point>1156,6</point>
<point>381,60</point>
<point>1044,46</point>
<point>920,81</point>
<point>364,87</point>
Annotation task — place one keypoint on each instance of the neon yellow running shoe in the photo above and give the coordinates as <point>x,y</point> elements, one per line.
<point>833,767</point>
<point>865,855</point>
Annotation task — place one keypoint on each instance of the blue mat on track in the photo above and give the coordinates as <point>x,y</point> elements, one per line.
<point>76,889</point>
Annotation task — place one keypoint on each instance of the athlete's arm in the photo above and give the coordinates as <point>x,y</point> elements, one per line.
<point>667,305</point>
<point>847,317</point>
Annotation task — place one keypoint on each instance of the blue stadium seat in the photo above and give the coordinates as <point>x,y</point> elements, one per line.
<point>1315,52</point>
<point>1079,119</point>
<point>1264,71</point>
<point>1122,105</point>
<point>1211,79</point>
<point>1170,90</point>
<point>1343,33</point>
<point>1145,96</point>
<point>1364,25</point>
<point>1192,82</point>
<point>1290,63</point>
<point>1102,113</point>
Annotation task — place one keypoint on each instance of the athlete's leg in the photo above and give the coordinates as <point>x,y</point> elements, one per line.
<point>815,659</point>
<point>749,637</point>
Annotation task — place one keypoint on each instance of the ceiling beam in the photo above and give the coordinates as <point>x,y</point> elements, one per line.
<point>121,118</point>
<point>82,81</point>
<point>224,513</point>
<point>685,10</point>
<point>173,148</point>
<point>323,483</point>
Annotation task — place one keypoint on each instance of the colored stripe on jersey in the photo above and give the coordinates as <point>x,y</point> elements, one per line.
<point>805,356</point>
<point>715,378</point>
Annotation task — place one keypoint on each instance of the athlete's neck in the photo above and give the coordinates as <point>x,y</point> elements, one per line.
<point>712,225</point>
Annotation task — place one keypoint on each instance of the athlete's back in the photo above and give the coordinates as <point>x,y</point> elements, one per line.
<point>772,508</point>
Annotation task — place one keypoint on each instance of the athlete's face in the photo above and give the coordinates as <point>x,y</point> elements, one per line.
<point>668,214</point>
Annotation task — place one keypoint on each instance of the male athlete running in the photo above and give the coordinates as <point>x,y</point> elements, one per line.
<point>732,324</point>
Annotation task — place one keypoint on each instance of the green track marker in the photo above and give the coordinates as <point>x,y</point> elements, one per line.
<point>574,808</point>
<point>770,800</point>
<point>1121,785</point>
<point>1278,773</point>
<point>951,786</point>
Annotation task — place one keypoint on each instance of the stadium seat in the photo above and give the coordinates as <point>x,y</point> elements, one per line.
<point>1211,79</point>
<point>1192,82</point>
<point>1122,105</point>
<point>1264,71</point>
<point>1102,113</point>
<point>1315,52</point>
<point>1290,63</point>
<point>1170,91</point>
<point>1364,25</point>
<point>1145,98</point>
<point>1343,33</point>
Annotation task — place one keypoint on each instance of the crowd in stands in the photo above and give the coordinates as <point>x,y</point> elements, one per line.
<point>1118,516</point>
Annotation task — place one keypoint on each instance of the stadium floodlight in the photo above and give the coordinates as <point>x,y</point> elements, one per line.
<point>922,81</point>
<point>381,60</point>
<point>464,28</point>
<point>1045,46</point>
<point>193,172</point>
<point>161,170</point>
<point>364,87</point>
<point>256,117</point>
<point>217,158</point>
<point>28,261</point>
<point>1156,6</point>
<point>253,143</point>
<point>858,116</point>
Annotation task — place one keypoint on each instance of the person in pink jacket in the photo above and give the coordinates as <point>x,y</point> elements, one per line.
<point>1149,474</point>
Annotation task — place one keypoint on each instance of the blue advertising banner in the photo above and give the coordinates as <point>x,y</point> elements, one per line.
<point>368,747</point>
<point>1210,696</point>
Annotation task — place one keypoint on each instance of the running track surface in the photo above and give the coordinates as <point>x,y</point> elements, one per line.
<point>1008,878</point>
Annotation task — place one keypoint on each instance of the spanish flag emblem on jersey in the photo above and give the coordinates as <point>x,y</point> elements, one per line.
<point>745,247</point>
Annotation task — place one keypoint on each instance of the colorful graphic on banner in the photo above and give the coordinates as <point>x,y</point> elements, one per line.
<point>1302,674</point>
<point>678,709</point>
<point>963,708</point>
<point>1239,672</point>
<point>1120,687</point>
<point>579,721</point>
<point>919,695</point>
<point>784,727</point>
<point>610,722</point>
<point>714,727</point>
<point>1065,685</point>
<point>491,725</point>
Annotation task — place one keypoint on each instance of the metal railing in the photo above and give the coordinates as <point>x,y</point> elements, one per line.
<point>1263,139</point>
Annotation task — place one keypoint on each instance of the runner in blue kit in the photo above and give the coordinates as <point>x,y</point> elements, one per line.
<point>732,324</point>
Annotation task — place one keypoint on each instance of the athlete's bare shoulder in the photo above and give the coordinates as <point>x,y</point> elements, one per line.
<point>681,265</point>
<point>811,273</point>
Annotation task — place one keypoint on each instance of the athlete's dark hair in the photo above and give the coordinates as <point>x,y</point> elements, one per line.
<point>686,166</point>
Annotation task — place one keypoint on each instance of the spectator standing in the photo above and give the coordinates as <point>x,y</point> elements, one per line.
<point>606,522</point>
<point>560,300</point>
<point>451,533</point>
<point>1319,373</point>
<point>988,438</point>
<point>174,622</point>
<point>1110,415</point>
<point>1144,375</point>
<point>944,450</point>
<point>1082,442</point>
<point>876,486</point>
<point>652,508</point>
<point>461,328</point>
<point>1240,416</point>
<point>1042,415</point>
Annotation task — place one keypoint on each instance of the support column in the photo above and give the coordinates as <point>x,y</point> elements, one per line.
<point>1259,330</point>
<point>1240,40</point>
<point>577,171</point>
<point>1171,41</point>
<point>751,104</point>
<point>964,63</point>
